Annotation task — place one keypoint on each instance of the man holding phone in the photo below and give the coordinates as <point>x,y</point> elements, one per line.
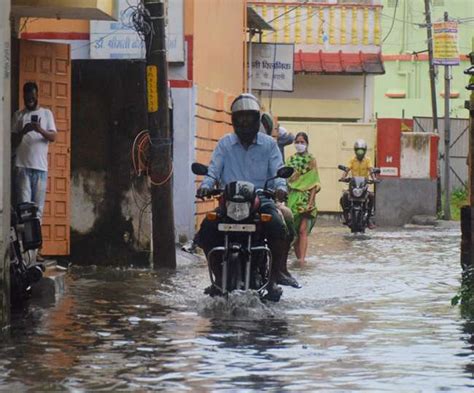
<point>33,128</point>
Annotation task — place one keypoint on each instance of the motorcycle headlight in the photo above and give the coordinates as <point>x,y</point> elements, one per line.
<point>357,192</point>
<point>238,211</point>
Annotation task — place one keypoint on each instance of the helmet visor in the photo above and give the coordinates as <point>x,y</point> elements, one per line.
<point>245,119</point>
<point>360,152</point>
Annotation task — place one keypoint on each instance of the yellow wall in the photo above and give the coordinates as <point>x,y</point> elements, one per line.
<point>320,97</point>
<point>316,109</point>
<point>218,34</point>
<point>332,144</point>
<point>217,28</point>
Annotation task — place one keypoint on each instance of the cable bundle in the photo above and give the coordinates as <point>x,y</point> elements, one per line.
<point>139,19</point>
<point>141,157</point>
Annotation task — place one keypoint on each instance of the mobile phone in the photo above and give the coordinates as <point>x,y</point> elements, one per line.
<point>34,118</point>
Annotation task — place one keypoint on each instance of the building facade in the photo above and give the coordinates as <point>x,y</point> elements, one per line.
<point>337,56</point>
<point>108,203</point>
<point>404,90</point>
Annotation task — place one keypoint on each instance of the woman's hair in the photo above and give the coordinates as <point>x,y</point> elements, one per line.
<point>304,135</point>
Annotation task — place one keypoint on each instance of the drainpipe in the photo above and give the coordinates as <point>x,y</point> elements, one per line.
<point>249,83</point>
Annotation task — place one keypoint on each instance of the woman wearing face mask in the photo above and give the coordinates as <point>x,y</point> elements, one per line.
<point>303,187</point>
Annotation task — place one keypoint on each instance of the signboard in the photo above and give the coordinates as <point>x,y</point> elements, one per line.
<point>118,40</point>
<point>445,43</point>
<point>389,171</point>
<point>151,88</point>
<point>272,66</point>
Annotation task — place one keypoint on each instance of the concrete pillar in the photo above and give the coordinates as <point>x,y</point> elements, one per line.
<point>5,68</point>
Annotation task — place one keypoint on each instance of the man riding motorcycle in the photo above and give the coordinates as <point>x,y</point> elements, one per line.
<point>359,166</point>
<point>248,155</point>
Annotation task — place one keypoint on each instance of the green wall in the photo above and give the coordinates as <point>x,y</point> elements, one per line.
<point>412,77</point>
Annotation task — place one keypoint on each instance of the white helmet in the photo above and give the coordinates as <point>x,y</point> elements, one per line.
<point>360,148</point>
<point>246,117</point>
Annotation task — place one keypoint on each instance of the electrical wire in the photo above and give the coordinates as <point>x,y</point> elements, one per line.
<point>393,22</point>
<point>287,12</point>
<point>138,21</point>
<point>401,20</point>
<point>294,20</point>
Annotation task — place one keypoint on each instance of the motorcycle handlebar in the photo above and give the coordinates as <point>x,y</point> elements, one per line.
<point>369,181</point>
<point>212,193</point>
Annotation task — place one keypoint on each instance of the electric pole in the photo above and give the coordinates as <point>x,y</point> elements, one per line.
<point>447,138</point>
<point>434,105</point>
<point>432,68</point>
<point>161,164</point>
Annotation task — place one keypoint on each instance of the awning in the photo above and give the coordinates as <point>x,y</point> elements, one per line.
<point>256,22</point>
<point>338,63</point>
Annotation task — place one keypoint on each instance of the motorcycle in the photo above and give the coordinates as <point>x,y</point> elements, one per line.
<point>358,214</point>
<point>25,235</point>
<point>244,260</point>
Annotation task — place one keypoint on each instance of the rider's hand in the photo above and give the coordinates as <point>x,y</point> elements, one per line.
<point>203,192</point>
<point>281,194</point>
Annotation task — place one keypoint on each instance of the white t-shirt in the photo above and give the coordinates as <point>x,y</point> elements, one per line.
<point>33,150</point>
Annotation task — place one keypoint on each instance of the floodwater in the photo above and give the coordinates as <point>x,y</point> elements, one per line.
<point>374,315</point>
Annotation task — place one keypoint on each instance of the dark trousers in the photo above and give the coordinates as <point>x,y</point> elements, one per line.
<point>275,232</point>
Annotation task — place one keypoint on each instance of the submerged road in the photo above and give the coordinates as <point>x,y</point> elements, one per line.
<point>374,315</point>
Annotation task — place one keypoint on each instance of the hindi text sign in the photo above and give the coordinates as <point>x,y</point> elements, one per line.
<point>272,61</point>
<point>445,43</point>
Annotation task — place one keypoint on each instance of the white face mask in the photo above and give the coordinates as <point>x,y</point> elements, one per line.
<point>300,147</point>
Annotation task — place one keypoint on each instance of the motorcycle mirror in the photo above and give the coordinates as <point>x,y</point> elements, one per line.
<point>285,172</point>
<point>199,169</point>
<point>342,168</point>
<point>376,171</point>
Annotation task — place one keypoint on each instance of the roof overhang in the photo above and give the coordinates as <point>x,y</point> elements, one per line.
<point>64,9</point>
<point>338,63</point>
<point>255,22</point>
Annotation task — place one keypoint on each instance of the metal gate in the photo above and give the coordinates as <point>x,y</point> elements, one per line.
<point>459,147</point>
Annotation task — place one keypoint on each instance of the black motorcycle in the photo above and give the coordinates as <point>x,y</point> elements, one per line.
<point>25,235</point>
<point>358,213</point>
<point>244,260</point>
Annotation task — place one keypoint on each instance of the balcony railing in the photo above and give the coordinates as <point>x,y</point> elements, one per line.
<point>349,27</point>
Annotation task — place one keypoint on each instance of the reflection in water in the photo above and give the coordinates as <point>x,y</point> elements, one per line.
<point>373,315</point>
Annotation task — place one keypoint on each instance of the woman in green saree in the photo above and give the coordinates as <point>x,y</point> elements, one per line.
<point>303,187</point>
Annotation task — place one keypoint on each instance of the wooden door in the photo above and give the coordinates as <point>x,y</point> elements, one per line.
<point>49,65</point>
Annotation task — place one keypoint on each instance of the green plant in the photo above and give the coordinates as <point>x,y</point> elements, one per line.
<point>459,198</point>
<point>465,295</point>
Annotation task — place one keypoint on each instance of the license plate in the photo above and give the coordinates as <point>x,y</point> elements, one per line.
<point>237,227</point>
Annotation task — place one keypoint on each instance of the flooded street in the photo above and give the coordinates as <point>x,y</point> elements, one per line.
<point>374,314</point>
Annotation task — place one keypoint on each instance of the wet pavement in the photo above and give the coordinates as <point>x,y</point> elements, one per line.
<point>374,315</point>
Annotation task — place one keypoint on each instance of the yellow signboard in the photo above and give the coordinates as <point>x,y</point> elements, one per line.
<point>445,43</point>
<point>152,88</point>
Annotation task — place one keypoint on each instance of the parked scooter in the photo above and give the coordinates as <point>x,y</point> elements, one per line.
<point>358,213</point>
<point>25,235</point>
<point>244,260</point>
